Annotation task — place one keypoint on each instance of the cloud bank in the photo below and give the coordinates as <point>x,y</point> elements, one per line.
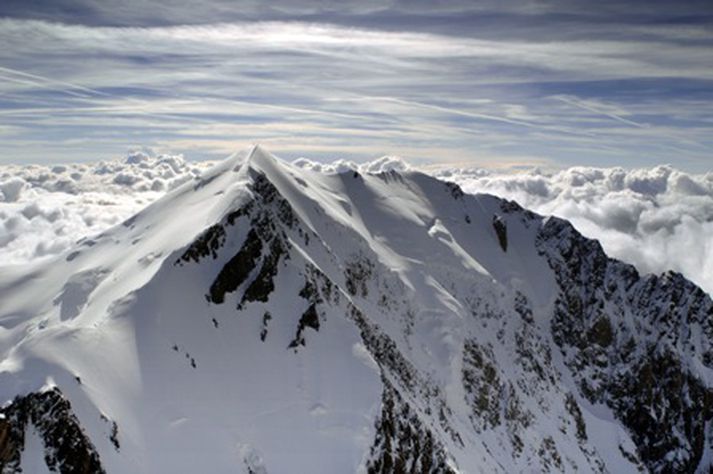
<point>44,210</point>
<point>654,218</point>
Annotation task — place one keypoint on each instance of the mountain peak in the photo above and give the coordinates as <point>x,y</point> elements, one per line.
<point>259,155</point>
<point>255,156</point>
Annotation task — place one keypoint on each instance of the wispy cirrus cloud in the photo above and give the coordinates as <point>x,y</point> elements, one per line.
<point>377,80</point>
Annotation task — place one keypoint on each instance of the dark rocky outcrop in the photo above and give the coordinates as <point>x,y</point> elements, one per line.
<point>267,212</point>
<point>573,408</point>
<point>632,338</point>
<point>211,240</point>
<point>67,447</point>
<point>482,386</point>
<point>261,287</point>
<point>238,268</point>
<point>266,317</point>
<point>208,243</point>
<point>403,444</point>
<point>357,273</point>
<point>309,319</point>
<point>501,231</point>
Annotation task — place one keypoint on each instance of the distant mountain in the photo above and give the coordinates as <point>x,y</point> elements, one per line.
<point>269,319</point>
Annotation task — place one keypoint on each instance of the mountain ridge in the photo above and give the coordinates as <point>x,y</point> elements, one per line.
<point>464,325</point>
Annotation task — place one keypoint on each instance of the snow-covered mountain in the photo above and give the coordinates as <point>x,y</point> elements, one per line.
<point>270,319</point>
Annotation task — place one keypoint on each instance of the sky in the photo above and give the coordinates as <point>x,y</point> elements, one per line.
<point>546,84</point>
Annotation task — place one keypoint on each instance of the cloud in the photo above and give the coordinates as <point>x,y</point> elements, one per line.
<point>44,210</point>
<point>338,166</point>
<point>575,94</point>
<point>385,13</point>
<point>11,189</point>
<point>379,165</point>
<point>657,218</point>
<point>384,164</point>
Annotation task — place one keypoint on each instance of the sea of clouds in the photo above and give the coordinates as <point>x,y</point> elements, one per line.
<point>44,210</point>
<point>656,219</point>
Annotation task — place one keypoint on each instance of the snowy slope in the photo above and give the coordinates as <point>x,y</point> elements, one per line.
<point>266,318</point>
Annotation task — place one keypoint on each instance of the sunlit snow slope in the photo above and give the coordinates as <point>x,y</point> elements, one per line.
<point>266,318</point>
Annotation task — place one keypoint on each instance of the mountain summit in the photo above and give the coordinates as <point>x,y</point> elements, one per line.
<point>269,319</point>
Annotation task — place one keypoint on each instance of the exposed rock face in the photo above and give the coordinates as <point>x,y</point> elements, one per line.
<point>402,443</point>
<point>263,285</point>
<point>206,244</point>
<point>11,443</point>
<point>482,385</point>
<point>263,243</point>
<point>309,319</point>
<point>238,268</point>
<point>501,230</point>
<point>67,448</point>
<point>627,338</point>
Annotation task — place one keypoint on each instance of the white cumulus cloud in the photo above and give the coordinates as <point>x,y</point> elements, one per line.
<point>379,165</point>
<point>44,210</point>
<point>654,218</point>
